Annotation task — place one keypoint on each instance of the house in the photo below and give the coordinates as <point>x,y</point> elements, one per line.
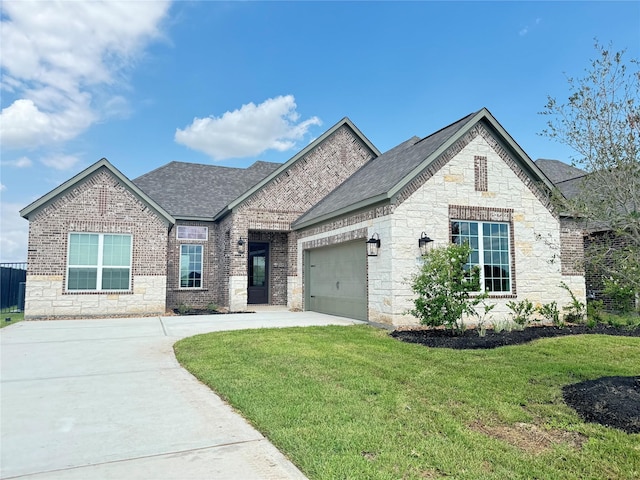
<point>295,234</point>
<point>570,182</point>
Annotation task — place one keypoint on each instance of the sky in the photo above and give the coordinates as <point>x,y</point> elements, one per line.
<point>144,83</point>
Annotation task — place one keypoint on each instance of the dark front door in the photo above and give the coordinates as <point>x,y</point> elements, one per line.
<point>258,290</point>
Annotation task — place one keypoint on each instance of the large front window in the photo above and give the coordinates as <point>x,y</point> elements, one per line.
<point>490,251</point>
<point>190,266</point>
<point>98,261</point>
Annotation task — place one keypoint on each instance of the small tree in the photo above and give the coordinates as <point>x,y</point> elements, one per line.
<point>600,121</point>
<point>443,287</point>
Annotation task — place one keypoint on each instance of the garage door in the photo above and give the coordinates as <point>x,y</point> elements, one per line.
<point>336,280</point>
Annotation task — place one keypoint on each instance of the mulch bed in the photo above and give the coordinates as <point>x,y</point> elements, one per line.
<point>469,339</point>
<point>608,401</point>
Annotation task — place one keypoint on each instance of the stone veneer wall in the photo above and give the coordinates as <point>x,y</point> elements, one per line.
<point>99,204</point>
<point>274,207</point>
<point>450,186</point>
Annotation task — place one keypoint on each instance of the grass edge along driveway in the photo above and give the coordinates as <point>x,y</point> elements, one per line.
<point>352,402</point>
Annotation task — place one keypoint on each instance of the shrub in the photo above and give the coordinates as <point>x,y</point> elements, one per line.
<point>623,296</point>
<point>443,287</point>
<point>212,307</point>
<point>183,309</point>
<point>595,309</point>
<point>550,312</point>
<point>575,310</point>
<point>521,312</point>
<point>484,317</point>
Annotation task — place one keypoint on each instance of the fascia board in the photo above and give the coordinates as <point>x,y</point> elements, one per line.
<point>343,211</point>
<point>188,218</point>
<point>61,189</point>
<point>295,158</point>
<point>483,114</point>
<point>518,150</point>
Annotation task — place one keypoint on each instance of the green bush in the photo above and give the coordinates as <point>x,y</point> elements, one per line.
<point>575,311</point>
<point>183,309</point>
<point>623,296</point>
<point>595,310</point>
<point>521,312</point>
<point>550,312</point>
<point>443,287</point>
<point>212,307</point>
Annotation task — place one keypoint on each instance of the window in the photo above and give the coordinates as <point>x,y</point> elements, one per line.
<point>188,232</point>
<point>490,251</point>
<point>190,266</point>
<point>98,262</point>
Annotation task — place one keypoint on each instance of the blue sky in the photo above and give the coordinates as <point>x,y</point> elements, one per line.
<point>146,83</point>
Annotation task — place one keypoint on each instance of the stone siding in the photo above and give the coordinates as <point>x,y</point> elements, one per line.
<point>449,188</point>
<point>98,204</point>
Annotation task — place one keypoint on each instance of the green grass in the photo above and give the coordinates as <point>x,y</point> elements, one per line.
<point>353,403</point>
<point>15,318</point>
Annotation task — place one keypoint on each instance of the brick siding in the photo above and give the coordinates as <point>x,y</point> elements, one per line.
<point>98,204</point>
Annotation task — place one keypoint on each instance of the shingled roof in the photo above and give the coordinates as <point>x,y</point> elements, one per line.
<point>196,191</point>
<point>376,179</point>
<point>383,177</point>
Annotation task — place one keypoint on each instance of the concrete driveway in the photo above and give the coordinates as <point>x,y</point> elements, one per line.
<point>106,399</point>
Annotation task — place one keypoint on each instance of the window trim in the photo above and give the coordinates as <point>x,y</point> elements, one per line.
<point>481,253</point>
<point>180,228</point>
<point>201,247</point>
<point>99,266</point>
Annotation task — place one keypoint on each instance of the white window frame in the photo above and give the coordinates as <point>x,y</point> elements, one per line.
<point>201,247</point>
<point>481,252</point>
<point>99,266</point>
<point>182,232</point>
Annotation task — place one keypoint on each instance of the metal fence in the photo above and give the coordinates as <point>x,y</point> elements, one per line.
<point>13,278</point>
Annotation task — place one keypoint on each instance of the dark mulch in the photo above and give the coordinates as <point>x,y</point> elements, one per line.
<point>470,339</point>
<point>203,311</point>
<point>608,401</point>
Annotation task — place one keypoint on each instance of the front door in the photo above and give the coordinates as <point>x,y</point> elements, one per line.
<point>258,289</point>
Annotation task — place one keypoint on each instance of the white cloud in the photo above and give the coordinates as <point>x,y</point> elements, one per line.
<point>22,162</point>
<point>14,233</point>
<point>3,187</point>
<point>526,29</point>
<point>60,162</point>
<point>249,131</point>
<point>57,56</point>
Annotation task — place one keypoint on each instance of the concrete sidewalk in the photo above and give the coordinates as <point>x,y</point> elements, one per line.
<point>106,399</point>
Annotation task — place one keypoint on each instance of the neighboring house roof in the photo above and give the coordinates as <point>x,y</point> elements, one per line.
<point>57,192</point>
<point>198,192</point>
<point>383,177</point>
<point>558,171</point>
<point>565,177</point>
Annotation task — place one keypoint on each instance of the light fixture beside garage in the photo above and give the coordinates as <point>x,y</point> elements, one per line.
<point>373,244</point>
<point>425,243</point>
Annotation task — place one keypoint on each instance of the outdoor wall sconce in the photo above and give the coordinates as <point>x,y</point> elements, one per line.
<point>425,243</point>
<point>373,244</point>
<point>240,246</point>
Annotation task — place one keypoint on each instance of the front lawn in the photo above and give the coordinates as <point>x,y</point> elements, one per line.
<point>351,402</point>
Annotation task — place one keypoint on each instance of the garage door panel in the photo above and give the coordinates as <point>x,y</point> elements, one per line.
<point>337,280</point>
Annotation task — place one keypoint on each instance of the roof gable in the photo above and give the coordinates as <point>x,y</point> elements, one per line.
<point>72,182</point>
<point>287,165</point>
<point>384,177</point>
